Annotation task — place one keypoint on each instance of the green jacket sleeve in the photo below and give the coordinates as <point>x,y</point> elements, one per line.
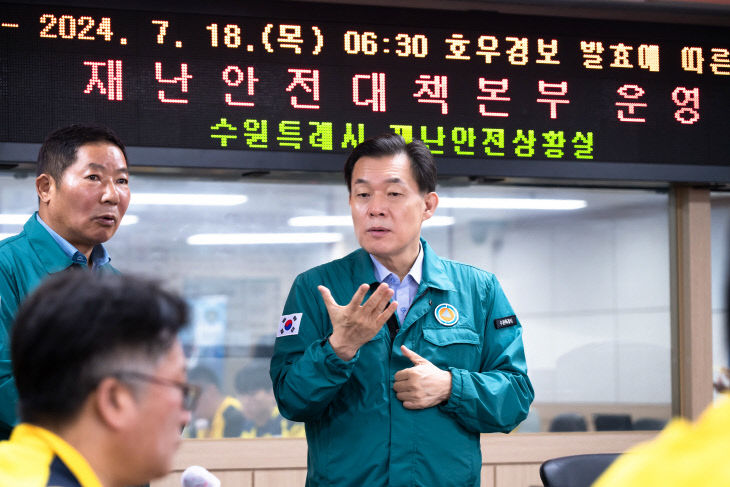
<point>498,397</point>
<point>8,392</point>
<point>305,371</point>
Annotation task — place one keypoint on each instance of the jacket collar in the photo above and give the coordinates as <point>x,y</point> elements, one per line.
<point>434,275</point>
<point>50,445</point>
<point>49,253</point>
<point>363,267</point>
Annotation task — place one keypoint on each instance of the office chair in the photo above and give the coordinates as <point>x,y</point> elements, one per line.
<point>568,422</point>
<point>612,422</point>
<point>575,470</point>
<point>652,424</point>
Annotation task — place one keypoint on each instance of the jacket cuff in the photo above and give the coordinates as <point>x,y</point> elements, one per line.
<point>335,363</point>
<point>457,387</point>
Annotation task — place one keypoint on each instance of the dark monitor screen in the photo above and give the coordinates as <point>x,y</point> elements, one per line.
<point>295,86</point>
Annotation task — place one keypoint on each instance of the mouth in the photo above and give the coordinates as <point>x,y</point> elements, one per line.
<point>106,220</point>
<point>378,231</point>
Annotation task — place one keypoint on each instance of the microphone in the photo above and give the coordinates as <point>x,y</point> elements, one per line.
<point>196,476</point>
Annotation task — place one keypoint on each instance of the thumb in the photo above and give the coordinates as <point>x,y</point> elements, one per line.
<point>413,356</point>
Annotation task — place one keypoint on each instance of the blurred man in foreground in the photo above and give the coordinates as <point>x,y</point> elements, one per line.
<point>101,382</point>
<point>83,193</point>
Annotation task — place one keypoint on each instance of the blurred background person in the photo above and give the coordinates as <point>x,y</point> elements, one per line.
<point>253,386</point>
<point>101,383</point>
<point>217,415</point>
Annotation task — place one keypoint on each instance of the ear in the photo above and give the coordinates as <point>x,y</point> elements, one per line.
<point>431,201</point>
<point>45,186</point>
<point>114,403</point>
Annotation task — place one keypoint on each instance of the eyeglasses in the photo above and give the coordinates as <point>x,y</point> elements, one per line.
<point>191,392</point>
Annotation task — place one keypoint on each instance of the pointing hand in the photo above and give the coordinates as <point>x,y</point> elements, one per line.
<point>422,386</point>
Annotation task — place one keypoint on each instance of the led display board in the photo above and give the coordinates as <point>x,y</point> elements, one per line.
<point>295,86</point>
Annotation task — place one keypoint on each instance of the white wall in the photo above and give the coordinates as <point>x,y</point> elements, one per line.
<point>591,289</point>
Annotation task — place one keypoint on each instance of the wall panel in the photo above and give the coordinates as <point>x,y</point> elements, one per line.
<point>507,460</point>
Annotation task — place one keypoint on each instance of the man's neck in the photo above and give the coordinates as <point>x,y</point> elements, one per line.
<point>92,442</point>
<point>402,264</point>
<point>84,249</point>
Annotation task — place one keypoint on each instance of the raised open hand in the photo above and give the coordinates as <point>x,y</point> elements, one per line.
<point>356,323</point>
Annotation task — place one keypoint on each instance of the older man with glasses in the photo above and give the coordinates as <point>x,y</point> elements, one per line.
<point>101,378</point>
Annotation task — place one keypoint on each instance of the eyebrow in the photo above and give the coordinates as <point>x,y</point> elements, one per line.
<point>99,167</point>
<point>390,181</point>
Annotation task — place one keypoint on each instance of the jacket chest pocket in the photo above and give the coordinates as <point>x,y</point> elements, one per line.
<point>458,347</point>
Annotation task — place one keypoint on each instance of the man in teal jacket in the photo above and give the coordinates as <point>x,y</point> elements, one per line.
<point>83,193</point>
<point>402,404</point>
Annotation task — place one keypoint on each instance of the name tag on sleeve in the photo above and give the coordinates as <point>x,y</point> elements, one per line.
<point>505,322</point>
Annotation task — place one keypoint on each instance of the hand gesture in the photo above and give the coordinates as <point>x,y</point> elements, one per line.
<point>423,385</point>
<point>355,324</point>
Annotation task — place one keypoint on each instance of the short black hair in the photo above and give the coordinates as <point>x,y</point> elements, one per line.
<point>59,149</point>
<point>202,375</point>
<point>423,166</point>
<point>79,327</point>
<point>253,377</point>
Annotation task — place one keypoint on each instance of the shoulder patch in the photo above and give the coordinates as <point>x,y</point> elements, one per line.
<point>505,322</point>
<point>288,325</point>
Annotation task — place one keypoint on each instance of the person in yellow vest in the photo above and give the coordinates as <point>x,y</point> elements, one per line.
<point>100,376</point>
<point>684,453</point>
<point>217,414</point>
<point>256,395</point>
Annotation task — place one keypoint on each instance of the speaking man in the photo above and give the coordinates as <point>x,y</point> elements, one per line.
<point>401,404</point>
<point>83,193</point>
<point>101,379</point>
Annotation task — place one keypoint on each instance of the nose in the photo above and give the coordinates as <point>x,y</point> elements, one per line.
<point>377,205</point>
<point>186,417</point>
<point>110,193</point>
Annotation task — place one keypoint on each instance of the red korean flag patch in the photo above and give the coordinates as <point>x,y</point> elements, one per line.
<point>289,325</point>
